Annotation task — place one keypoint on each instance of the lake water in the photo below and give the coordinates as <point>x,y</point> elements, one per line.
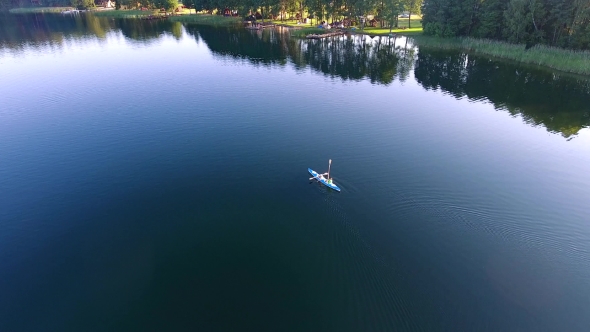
<point>153,176</point>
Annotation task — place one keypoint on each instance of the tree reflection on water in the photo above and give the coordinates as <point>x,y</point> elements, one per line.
<point>555,101</point>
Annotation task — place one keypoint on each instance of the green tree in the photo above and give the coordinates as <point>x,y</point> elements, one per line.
<point>516,26</point>
<point>490,22</point>
<point>171,5</point>
<point>168,5</point>
<point>82,3</point>
<point>412,6</point>
<point>392,9</point>
<point>437,17</point>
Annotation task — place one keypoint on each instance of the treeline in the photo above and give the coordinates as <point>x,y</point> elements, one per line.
<point>9,4</point>
<point>386,12</point>
<point>85,4</point>
<point>562,23</point>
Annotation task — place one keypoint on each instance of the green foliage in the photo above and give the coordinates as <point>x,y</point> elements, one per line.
<point>441,17</point>
<point>391,11</point>
<point>491,20</point>
<point>563,23</point>
<point>516,27</point>
<point>171,5</point>
<point>82,3</point>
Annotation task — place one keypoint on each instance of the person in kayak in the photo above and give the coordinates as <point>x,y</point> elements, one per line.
<point>325,177</point>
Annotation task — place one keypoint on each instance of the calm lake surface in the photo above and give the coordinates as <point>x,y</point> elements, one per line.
<point>153,177</point>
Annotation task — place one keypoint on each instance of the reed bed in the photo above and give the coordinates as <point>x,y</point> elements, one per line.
<point>571,61</point>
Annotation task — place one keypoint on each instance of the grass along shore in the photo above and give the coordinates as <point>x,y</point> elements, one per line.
<point>570,61</point>
<point>124,13</point>
<point>186,16</point>
<point>206,19</point>
<point>32,10</point>
<point>403,27</point>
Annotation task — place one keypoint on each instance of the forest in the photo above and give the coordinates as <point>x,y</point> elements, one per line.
<point>561,23</point>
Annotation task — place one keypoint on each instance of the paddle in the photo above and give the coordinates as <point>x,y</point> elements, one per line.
<point>329,165</point>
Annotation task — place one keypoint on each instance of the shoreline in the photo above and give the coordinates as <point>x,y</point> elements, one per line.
<point>559,59</point>
<point>542,56</point>
<point>562,60</point>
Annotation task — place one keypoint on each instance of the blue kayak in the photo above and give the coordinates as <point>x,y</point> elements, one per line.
<point>326,182</point>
